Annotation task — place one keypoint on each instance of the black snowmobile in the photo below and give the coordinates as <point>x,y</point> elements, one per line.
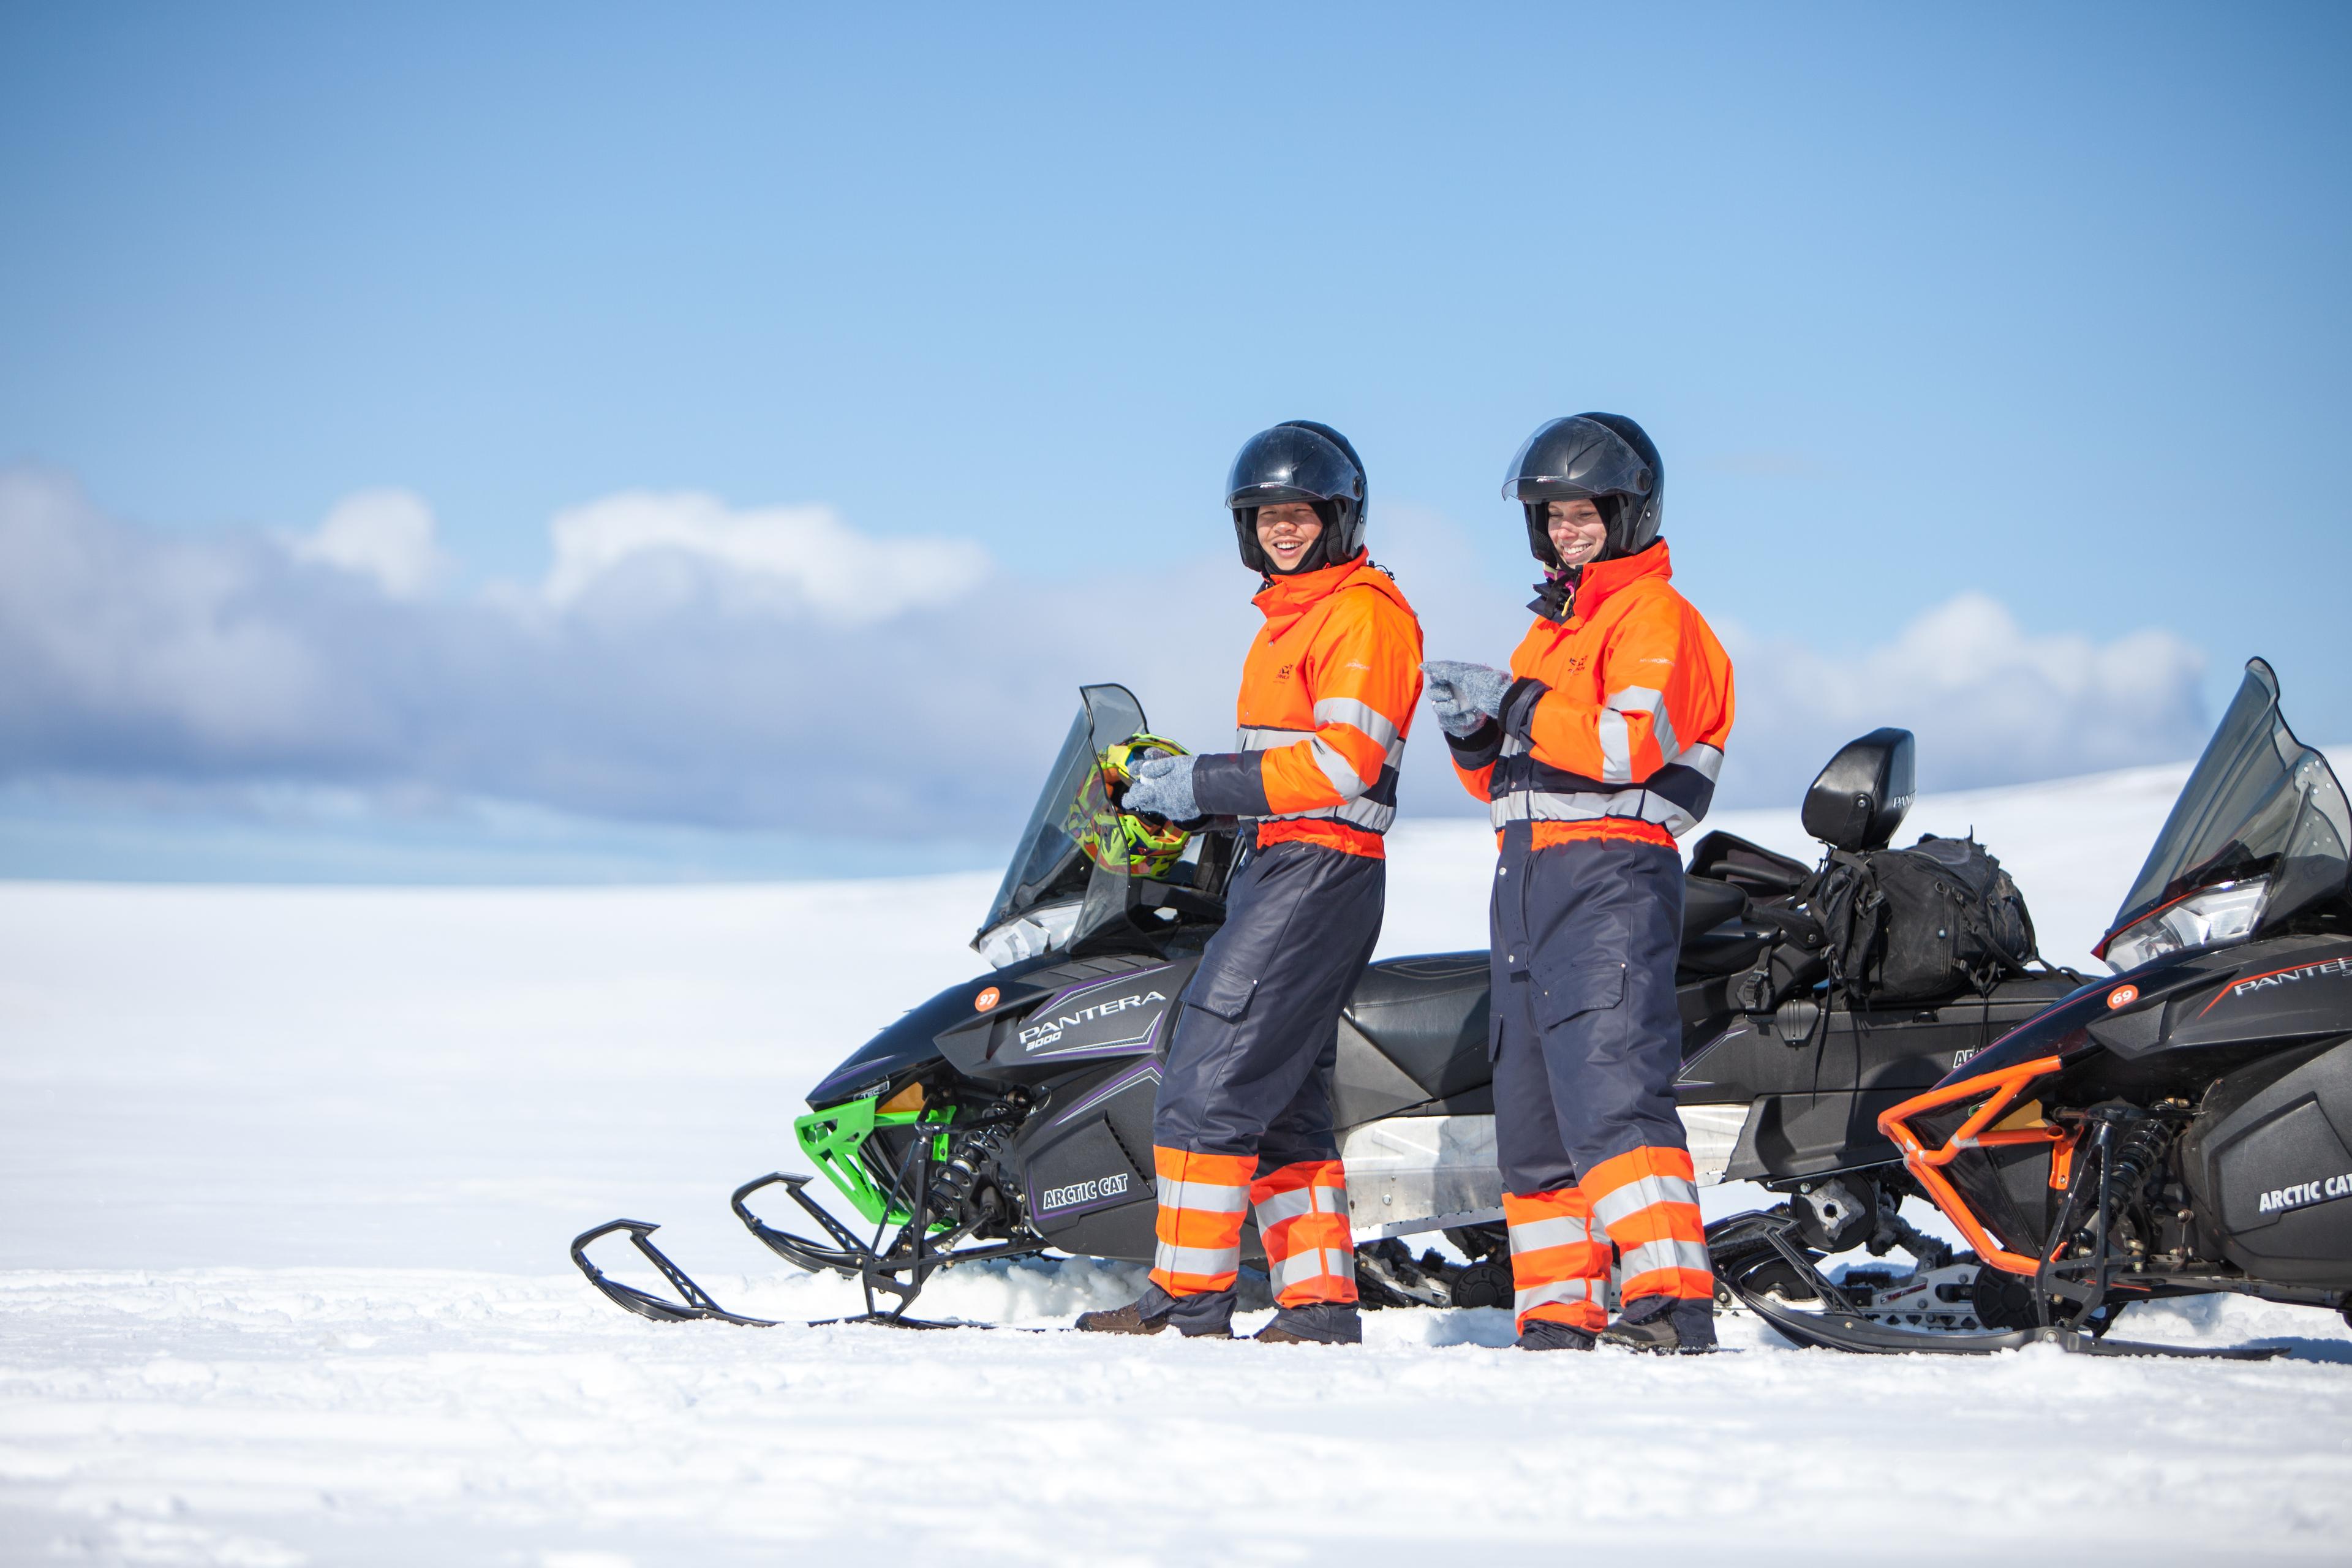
<point>1011,1114</point>
<point>2181,1128</point>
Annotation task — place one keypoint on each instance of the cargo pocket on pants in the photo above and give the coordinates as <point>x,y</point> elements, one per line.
<point>1588,987</point>
<point>1223,991</point>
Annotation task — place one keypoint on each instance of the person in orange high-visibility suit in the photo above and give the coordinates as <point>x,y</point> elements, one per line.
<point>1596,749</point>
<point>1244,1119</point>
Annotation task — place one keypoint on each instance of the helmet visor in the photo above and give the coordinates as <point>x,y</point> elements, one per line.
<point>1289,463</point>
<point>1577,460</point>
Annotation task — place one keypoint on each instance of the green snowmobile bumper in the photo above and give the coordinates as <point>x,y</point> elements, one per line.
<point>835,1138</point>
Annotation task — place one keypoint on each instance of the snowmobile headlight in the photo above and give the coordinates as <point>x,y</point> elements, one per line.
<point>2224,912</point>
<point>1025,936</point>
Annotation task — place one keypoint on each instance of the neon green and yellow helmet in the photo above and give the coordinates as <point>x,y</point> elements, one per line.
<point>1126,841</point>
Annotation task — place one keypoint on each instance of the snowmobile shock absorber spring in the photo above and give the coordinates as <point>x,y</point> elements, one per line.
<point>956,1181</point>
<point>2140,1156</point>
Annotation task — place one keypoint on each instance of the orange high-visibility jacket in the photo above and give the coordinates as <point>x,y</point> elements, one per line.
<point>1327,699</point>
<point>1615,726</point>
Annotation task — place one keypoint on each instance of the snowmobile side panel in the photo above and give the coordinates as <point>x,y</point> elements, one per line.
<point>2269,1166</point>
<point>913,1039</point>
<point>1100,1009</point>
<point>1816,1086</point>
<point>1085,1162</point>
<point>2286,989</point>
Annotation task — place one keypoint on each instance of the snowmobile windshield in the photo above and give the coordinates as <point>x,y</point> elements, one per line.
<point>1044,896</point>
<point>2259,805</point>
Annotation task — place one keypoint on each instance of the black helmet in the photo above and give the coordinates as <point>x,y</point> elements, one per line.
<point>1604,458</point>
<point>1300,460</point>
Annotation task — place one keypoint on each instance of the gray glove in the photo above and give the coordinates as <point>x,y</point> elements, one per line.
<point>1162,786</point>
<point>1464,696</point>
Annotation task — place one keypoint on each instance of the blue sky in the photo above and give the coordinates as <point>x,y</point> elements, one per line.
<point>2015,339</point>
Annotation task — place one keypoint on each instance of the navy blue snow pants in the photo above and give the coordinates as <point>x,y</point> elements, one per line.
<point>1249,1066</point>
<point>1585,1035</point>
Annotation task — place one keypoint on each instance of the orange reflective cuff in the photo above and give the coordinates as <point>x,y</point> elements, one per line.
<point>1559,1266</point>
<point>1475,780</point>
<point>1302,1218</point>
<point>1633,1166</point>
<point>1590,1317</point>
<point>1203,1199</point>
<point>1682,1284</point>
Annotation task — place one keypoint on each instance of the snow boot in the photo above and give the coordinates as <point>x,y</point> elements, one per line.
<point>1208,1316</point>
<point>1543,1334</point>
<point>1666,1324</point>
<point>1317,1323</point>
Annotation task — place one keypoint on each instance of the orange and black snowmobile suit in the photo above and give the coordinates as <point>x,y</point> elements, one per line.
<point>1245,1115</point>
<point>1606,749</point>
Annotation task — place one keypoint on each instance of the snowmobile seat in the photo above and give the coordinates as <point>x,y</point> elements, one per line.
<point>1707,903</point>
<point>1858,801</point>
<point>1716,936</point>
<point>1427,1015</point>
<point>1756,871</point>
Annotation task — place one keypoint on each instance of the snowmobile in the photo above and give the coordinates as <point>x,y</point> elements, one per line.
<point>2182,1127</point>
<point>1011,1114</point>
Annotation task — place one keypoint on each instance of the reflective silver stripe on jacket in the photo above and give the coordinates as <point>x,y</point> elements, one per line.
<point>1362,715</point>
<point>1358,810</point>
<point>1643,805</point>
<point>1616,736</point>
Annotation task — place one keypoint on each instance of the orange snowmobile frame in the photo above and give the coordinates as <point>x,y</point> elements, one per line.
<point>1991,1125</point>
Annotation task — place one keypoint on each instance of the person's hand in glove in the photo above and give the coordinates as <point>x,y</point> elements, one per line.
<point>1161,787</point>
<point>1464,696</point>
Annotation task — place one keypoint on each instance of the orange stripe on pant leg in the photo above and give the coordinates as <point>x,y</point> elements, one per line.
<point>1647,1202</point>
<point>1302,1217</point>
<point>1203,1199</point>
<point>1560,1269</point>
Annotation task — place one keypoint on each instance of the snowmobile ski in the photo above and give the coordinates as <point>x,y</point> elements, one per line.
<point>695,1304</point>
<point>1754,1254</point>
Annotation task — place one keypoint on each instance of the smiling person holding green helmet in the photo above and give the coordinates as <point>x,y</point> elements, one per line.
<point>1244,1117</point>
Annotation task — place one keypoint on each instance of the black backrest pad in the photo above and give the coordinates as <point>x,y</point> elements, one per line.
<point>1860,799</point>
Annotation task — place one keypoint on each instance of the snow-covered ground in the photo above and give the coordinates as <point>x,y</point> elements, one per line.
<point>288,1173</point>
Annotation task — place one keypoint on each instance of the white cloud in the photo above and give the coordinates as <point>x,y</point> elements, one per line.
<point>868,687</point>
<point>795,556</point>
<point>386,535</point>
<point>1991,702</point>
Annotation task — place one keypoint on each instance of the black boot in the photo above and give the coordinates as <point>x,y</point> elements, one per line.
<point>1317,1323</point>
<point>1666,1324</point>
<point>1543,1334</point>
<point>1209,1316</point>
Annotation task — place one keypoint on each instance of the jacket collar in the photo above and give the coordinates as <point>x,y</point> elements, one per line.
<point>1598,583</point>
<point>1285,599</point>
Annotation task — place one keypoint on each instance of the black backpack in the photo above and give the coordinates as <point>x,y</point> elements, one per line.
<point>1913,925</point>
